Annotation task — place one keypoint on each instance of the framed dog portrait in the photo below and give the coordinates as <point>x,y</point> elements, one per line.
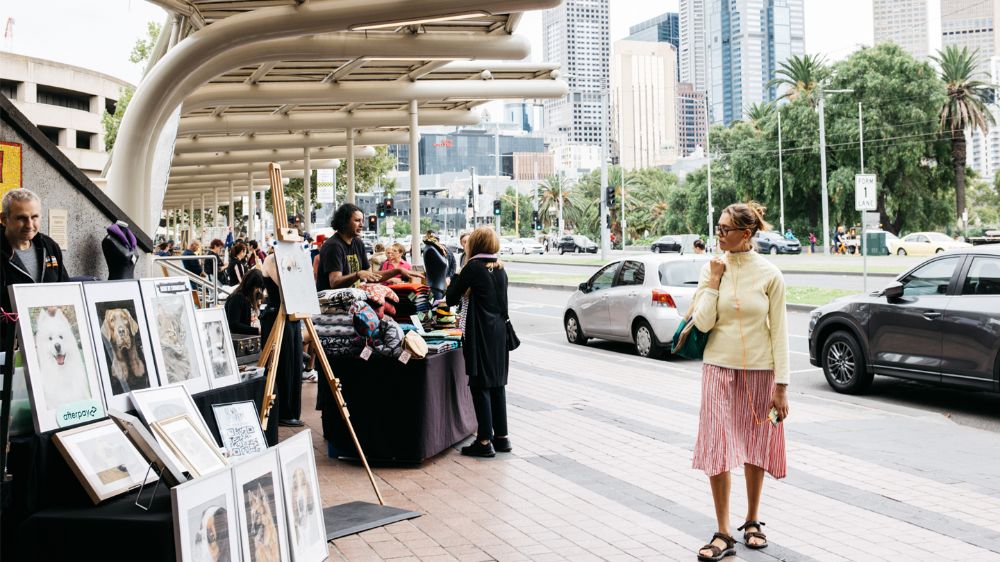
<point>178,354</point>
<point>58,349</point>
<point>205,519</point>
<point>239,428</point>
<point>257,484</point>
<point>171,472</point>
<point>155,404</point>
<point>303,506</point>
<point>217,347</point>
<point>121,334</point>
<point>104,460</point>
<point>196,450</point>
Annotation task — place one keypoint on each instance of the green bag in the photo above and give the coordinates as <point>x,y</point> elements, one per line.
<point>689,342</point>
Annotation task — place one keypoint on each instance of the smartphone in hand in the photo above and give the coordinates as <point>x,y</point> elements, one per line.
<point>773,416</point>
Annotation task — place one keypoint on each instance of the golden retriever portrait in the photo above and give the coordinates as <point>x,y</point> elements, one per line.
<point>123,346</point>
<point>262,523</point>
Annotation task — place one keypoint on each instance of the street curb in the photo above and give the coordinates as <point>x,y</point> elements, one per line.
<point>848,273</point>
<point>796,307</point>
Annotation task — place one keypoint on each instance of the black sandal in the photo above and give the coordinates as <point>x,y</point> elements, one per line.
<point>718,553</point>
<point>758,534</point>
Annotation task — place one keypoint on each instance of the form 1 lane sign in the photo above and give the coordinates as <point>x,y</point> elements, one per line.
<point>864,192</point>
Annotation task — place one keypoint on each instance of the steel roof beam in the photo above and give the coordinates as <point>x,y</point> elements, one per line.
<point>256,156</point>
<point>189,171</point>
<point>321,121</point>
<point>280,141</point>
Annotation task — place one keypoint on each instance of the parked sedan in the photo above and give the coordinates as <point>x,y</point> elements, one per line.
<point>577,244</point>
<point>526,246</point>
<point>770,242</point>
<point>935,323</point>
<point>925,244</point>
<point>639,300</point>
<point>666,244</point>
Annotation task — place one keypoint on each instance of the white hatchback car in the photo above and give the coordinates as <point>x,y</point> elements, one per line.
<point>639,300</point>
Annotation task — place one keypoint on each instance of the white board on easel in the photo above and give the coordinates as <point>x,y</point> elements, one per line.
<point>295,271</point>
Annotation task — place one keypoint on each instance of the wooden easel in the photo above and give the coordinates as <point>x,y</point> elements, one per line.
<point>272,347</point>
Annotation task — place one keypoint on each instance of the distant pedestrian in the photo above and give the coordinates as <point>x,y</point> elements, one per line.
<point>237,267</point>
<point>740,303</point>
<point>485,340</point>
<point>812,243</point>
<point>699,246</point>
<point>193,265</point>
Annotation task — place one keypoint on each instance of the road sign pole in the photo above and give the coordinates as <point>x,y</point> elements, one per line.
<point>864,254</point>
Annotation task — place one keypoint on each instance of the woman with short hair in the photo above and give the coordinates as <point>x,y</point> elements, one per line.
<point>740,303</point>
<point>484,341</point>
<point>237,267</point>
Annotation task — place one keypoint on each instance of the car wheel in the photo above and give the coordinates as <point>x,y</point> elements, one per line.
<point>574,333</point>
<point>939,250</point>
<point>646,344</point>
<point>844,364</point>
<point>578,249</point>
<point>773,251</point>
<point>562,250</point>
<point>900,252</point>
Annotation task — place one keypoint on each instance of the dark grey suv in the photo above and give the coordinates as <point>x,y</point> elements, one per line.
<point>938,323</point>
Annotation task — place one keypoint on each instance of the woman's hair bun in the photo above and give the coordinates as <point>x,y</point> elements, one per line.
<point>758,211</point>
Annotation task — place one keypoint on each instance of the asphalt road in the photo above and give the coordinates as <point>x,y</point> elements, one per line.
<point>537,314</point>
<point>821,280</point>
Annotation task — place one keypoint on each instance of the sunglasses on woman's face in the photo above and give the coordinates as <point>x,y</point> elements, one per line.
<point>725,230</point>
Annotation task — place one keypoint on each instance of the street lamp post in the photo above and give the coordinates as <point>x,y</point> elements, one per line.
<point>824,194</point>
<point>605,211</point>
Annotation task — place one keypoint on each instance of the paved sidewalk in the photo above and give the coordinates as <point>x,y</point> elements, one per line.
<point>601,471</point>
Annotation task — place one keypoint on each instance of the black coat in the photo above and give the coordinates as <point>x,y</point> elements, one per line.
<point>484,344</point>
<point>12,272</point>
<point>439,266</point>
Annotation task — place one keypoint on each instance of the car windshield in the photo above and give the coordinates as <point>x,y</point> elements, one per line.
<point>938,237</point>
<point>582,240</point>
<point>526,241</point>
<point>680,273</point>
<point>666,239</point>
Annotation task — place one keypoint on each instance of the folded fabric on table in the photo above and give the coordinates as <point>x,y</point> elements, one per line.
<point>342,298</point>
<point>388,341</point>
<point>334,331</point>
<point>444,333</point>
<point>441,346</point>
<point>333,319</point>
<point>389,309</point>
<point>379,293</point>
<point>342,346</point>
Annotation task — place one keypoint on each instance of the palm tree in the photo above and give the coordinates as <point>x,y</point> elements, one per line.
<point>758,112</point>
<point>964,107</point>
<point>549,192</point>
<point>800,75</point>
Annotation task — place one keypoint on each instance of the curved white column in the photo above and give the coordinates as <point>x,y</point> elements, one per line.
<point>321,121</point>
<point>350,166</point>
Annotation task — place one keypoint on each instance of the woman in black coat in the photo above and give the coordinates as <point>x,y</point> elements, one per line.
<point>485,340</point>
<point>243,304</point>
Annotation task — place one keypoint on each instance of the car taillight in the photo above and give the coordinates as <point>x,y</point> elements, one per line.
<point>663,298</point>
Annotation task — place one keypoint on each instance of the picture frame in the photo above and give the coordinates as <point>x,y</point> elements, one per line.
<point>205,519</point>
<point>217,347</point>
<point>199,455</point>
<point>170,472</point>
<point>303,504</point>
<point>239,428</point>
<point>61,370</point>
<point>261,509</point>
<point>122,344</point>
<point>103,459</point>
<point>172,326</point>
<point>155,404</point>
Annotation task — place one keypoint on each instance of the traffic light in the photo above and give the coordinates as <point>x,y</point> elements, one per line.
<point>534,220</point>
<point>496,207</point>
<point>389,205</point>
<point>373,223</point>
<point>555,222</point>
<point>610,195</point>
<point>380,210</point>
<point>472,198</point>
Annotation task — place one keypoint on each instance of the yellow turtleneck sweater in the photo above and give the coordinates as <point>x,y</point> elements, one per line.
<point>745,318</point>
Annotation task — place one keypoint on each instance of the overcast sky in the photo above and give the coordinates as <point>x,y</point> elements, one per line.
<point>99,34</point>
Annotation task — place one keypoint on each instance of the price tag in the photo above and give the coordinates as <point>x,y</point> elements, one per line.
<point>366,353</point>
<point>404,357</point>
<point>415,320</point>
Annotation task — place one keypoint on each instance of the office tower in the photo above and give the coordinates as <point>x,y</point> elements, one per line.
<point>692,125</point>
<point>575,35</point>
<point>970,23</point>
<point>914,25</point>
<point>692,51</point>
<point>664,28</point>
<point>748,40</point>
<point>643,96</point>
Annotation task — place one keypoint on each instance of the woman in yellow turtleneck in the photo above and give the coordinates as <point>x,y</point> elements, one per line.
<point>740,302</point>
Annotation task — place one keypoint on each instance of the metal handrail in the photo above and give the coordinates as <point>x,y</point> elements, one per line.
<point>201,284</point>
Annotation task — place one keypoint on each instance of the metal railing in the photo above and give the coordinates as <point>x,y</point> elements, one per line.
<point>208,289</point>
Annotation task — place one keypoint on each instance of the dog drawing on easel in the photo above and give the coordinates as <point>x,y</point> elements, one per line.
<point>262,526</point>
<point>59,358</point>
<point>128,371</point>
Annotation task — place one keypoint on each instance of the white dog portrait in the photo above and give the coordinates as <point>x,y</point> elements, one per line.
<point>305,530</point>
<point>57,345</point>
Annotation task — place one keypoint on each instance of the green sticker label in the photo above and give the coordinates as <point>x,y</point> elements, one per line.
<point>79,412</point>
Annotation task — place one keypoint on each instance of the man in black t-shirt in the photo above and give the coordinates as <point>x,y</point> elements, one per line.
<point>343,261</point>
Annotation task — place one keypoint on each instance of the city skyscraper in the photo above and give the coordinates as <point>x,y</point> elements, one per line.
<point>692,124</point>
<point>914,25</point>
<point>576,36</point>
<point>970,23</point>
<point>748,39</point>
<point>643,85</point>
<point>692,52</point>
<point>664,28</point>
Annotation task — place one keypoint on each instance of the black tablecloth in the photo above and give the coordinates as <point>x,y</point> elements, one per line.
<point>401,413</point>
<point>52,518</point>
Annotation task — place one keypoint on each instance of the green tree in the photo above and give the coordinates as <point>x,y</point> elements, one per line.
<point>523,219</point>
<point>800,75</point>
<point>367,172</point>
<point>965,106</point>
<point>648,205</point>
<point>758,112</point>
<point>550,190</point>
<point>141,52</point>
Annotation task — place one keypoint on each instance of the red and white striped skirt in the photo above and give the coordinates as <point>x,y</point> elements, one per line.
<point>728,433</point>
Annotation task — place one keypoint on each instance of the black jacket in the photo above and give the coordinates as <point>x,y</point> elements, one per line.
<point>485,340</point>
<point>238,313</point>
<point>12,272</point>
<point>439,266</point>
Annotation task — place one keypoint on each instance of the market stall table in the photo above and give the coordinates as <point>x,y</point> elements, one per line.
<point>401,413</point>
